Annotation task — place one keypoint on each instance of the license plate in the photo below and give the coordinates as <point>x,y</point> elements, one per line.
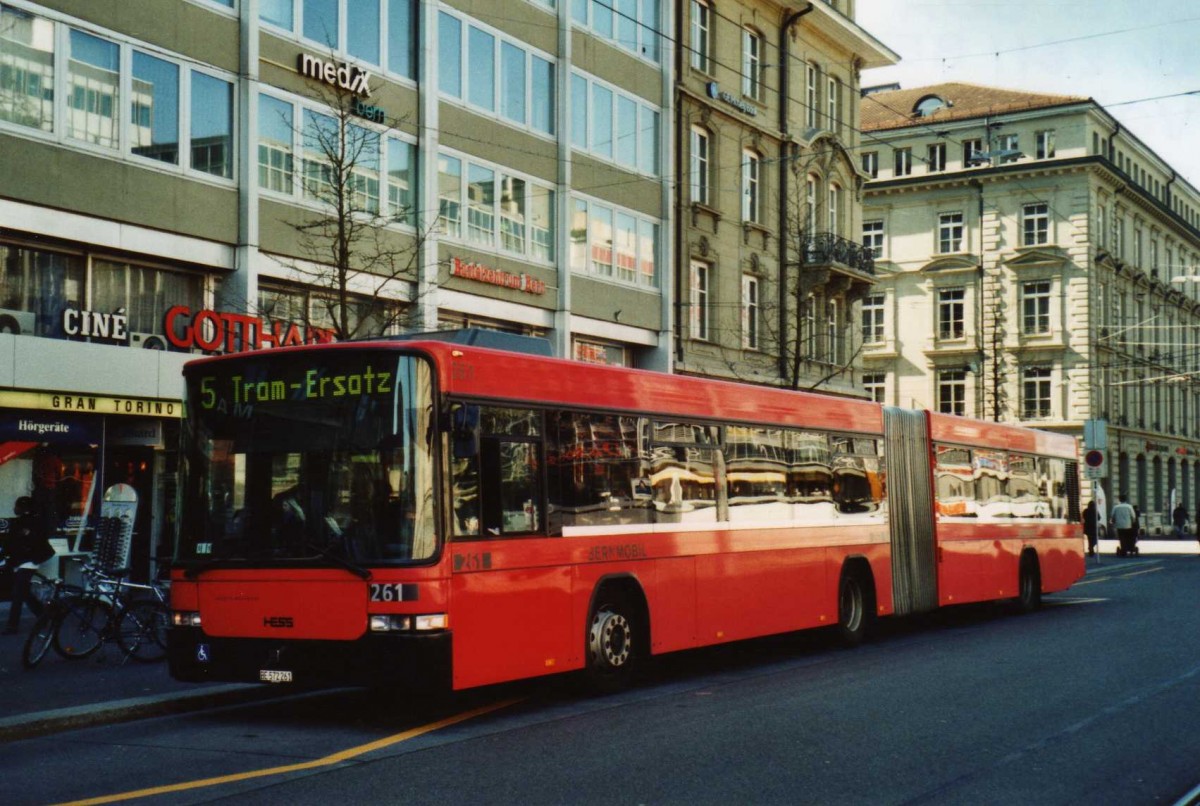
<point>274,676</point>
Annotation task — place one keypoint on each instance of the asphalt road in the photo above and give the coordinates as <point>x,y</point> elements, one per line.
<point>1095,699</point>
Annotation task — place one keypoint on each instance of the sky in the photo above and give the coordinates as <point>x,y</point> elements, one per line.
<point>1120,53</point>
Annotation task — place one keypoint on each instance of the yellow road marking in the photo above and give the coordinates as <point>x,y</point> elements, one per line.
<point>334,758</point>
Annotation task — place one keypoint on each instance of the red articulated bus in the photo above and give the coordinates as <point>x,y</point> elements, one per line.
<point>401,512</point>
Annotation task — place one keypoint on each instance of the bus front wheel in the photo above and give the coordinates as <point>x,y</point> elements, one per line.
<point>612,645</point>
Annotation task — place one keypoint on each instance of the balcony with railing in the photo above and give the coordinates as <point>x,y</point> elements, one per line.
<point>837,253</point>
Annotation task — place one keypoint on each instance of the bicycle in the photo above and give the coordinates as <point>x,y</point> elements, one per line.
<point>108,611</point>
<point>55,595</point>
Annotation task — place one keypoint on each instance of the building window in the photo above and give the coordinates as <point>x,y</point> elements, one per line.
<point>835,102</point>
<point>614,243</point>
<point>699,300</point>
<point>952,391</point>
<point>870,164</point>
<point>873,238</point>
<point>872,319</point>
<point>812,76</point>
<point>835,208</point>
<point>503,209</point>
<point>903,161</point>
<point>154,112</point>
<point>751,196</point>
<point>937,158</point>
<point>1101,225</point>
<point>876,385</point>
<point>1035,220</point>
<point>973,152</point>
<point>749,313</point>
<point>114,95</point>
<point>613,125</point>
<point>1035,307</point>
<point>810,204</point>
<point>93,77</point>
<point>1035,395</point>
<point>402,181</point>
<point>276,130</point>
<point>27,72</point>
<point>481,204</point>
<point>951,313</point>
<point>630,25</point>
<point>752,53</point>
<point>701,35</point>
<point>449,196</point>
<point>950,232</point>
<point>699,173</point>
<point>1010,148</point>
<point>833,341</point>
<point>1045,144</point>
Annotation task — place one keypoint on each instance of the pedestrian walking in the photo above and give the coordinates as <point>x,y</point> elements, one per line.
<point>25,549</point>
<point>1124,520</point>
<point>1179,519</point>
<point>1090,526</point>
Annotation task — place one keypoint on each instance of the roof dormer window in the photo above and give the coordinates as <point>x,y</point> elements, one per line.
<point>928,105</point>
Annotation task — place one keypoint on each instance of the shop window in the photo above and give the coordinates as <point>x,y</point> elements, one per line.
<point>36,287</point>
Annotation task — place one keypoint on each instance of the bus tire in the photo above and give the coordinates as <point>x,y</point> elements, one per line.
<point>613,652</point>
<point>1029,584</point>
<point>855,606</point>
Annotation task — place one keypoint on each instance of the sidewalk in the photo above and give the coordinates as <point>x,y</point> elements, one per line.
<point>105,688</point>
<point>1156,545</point>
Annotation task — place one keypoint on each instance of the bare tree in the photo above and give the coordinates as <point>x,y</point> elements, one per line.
<point>362,269</point>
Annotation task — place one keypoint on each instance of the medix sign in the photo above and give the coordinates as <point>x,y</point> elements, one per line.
<point>214,331</point>
<point>346,76</point>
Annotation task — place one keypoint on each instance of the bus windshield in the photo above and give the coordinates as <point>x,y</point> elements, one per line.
<point>320,457</point>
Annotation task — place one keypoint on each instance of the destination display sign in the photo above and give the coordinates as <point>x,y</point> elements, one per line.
<point>241,386</point>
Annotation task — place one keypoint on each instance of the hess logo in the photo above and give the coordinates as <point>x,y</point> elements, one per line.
<point>278,622</point>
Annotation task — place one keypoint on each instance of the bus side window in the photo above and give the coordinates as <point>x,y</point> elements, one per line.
<point>464,470</point>
<point>511,485</point>
<point>497,471</point>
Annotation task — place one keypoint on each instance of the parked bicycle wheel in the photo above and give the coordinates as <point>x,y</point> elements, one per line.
<point>81,630</point>
<point>39,640</point>
<point>142,633</point>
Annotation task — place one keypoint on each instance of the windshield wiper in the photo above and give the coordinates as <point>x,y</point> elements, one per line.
<point>349,565</point>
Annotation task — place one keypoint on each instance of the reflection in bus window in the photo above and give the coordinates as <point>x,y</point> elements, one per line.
<point>596,474</point>
<point>857,480</point>
<point>1024,488</point>
<point>683,475</point>
<point>757,474</point>
<point>810,476</point>
<point>991,483</point>
<point>954,481</point>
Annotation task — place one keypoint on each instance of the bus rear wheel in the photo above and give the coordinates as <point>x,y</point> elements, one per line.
<point>854,609</point>
<point>612,646</point>
<point>1029,585</point>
